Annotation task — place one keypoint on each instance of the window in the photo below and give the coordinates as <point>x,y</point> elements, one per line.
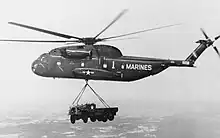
<point>43,58</point>
<point>80,47</point>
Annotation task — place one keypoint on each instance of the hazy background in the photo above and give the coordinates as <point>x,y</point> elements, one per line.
<point>82,18</point>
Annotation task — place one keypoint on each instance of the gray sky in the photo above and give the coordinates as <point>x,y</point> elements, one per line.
<point>19,86</point>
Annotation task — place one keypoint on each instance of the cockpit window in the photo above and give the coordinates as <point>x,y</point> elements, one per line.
<point>80,47</point>
<point>43,58</point>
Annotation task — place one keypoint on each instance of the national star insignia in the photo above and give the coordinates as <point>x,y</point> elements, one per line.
<point>88,72</point>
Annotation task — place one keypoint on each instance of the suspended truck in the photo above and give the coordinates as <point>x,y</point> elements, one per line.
<point>89,110</point>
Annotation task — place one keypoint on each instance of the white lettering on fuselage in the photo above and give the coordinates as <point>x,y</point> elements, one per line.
<point>138,67</point>
<point>113,64</point>
<point>122,66</point>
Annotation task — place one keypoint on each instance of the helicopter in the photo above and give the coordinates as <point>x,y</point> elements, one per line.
<point>92,61</point>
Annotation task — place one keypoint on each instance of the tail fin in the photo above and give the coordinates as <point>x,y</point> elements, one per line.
<point>198,51</point>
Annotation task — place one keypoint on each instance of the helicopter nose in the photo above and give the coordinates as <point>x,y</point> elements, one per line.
<point>38,68</point>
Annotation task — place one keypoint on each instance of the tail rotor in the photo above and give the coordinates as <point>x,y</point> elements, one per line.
<point>208,42</point>
<point>204,44</point>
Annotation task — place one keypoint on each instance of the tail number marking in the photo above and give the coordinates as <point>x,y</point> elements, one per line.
<point>138,67</point>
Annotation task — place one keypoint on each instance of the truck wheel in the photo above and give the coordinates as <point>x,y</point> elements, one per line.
<point>111,117</point>
<point>104,119</point>
<point>93,119</point>
<point>85,119</point>
<point>99,118</point>
<point>72,119</point>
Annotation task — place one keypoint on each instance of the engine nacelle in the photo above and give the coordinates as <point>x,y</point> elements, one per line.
<point>76,53</point>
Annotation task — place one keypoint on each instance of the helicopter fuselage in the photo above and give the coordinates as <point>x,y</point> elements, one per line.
<point>82,64</point>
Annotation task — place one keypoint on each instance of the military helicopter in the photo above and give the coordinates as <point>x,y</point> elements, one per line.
<point>92,61</point>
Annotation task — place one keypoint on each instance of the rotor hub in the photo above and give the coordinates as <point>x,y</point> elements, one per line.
<point>89,40</point>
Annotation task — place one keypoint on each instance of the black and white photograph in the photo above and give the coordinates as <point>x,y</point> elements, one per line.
<point>110,69</point>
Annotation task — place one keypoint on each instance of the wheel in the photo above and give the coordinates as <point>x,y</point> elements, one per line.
<point>85,119</point>
<point>72,119</point>
<point>111,117</point>
<point>99,118</point>
<point>93,119</point>
<point>104,119</point>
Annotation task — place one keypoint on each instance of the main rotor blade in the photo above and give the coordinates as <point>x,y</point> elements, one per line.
<point>139,32</point>
<point>122,39</point>
<point>44,31</point>
<point>116,18</point>
<point>216,50</point>
<point>206,36</point>
<point>40,41</point>
<point>217,37</point>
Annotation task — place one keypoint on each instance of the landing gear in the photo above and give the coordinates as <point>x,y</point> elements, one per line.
<point>86,111</point>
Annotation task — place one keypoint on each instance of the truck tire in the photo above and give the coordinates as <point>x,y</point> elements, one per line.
<point>111,117</point>
<point>72,119</point>
<point>99,118</point>
<point>93,119</point>
<point>104,119</point>
<point>85,119</point>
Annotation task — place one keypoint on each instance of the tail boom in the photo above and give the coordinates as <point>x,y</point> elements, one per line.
<point>181,63</point>
<point>198,51</point>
